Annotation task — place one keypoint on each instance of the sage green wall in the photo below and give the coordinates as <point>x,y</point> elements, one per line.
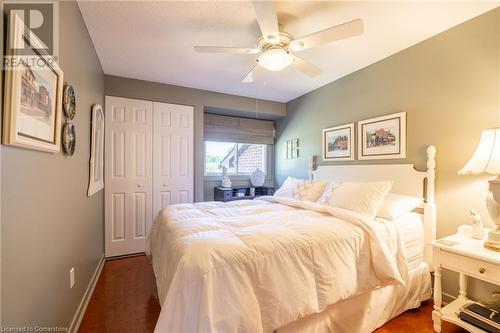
<point>48,223</point>
<point>200,99</point>
<point>449,87</point>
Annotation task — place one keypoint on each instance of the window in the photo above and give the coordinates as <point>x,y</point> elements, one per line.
<point>238,158</point>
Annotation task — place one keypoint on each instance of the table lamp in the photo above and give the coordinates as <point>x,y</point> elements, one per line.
<point>486,159</point>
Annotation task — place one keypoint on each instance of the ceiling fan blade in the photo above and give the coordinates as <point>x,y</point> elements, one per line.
<point>249,77</point>
<point>222,49</point>
<point>338,32</point>
<point>306,67</point>
<point>268,20</point>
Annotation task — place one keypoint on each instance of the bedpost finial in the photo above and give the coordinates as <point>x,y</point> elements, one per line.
<point>431,173</point>
<point>431,158</point>
<point>431,150</point>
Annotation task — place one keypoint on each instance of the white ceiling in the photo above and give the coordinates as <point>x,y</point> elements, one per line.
<point>154,41</point>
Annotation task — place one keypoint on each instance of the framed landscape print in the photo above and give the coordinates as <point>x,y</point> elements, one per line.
<point>33,95</point>
<point>382,137</point>
<point>338,143</point>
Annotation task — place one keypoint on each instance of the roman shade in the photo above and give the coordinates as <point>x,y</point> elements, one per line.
<point>235,129</point>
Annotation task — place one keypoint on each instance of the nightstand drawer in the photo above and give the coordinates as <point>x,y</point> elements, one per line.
<point>472,267</point>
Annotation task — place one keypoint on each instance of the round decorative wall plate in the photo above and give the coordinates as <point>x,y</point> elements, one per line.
<point>69,101</point>
<point>69,138</point>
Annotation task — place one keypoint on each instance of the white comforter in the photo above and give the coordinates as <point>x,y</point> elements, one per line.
<point>254,266</point>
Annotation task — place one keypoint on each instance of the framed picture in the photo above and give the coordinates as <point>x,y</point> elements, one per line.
<point>291,149</point>
<point>338,143</point>
<point>295,148</point>
<point>33,95</point>
<point>96,180</point>
<point>382,137</point>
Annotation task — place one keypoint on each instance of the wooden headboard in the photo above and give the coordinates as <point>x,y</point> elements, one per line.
<point>407,181</point>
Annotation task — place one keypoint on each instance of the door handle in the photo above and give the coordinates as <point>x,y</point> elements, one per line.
<point>164,185</point>
<point>139,185</point>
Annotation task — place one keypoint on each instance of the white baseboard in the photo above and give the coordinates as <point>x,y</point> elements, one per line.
<point>80,311</point>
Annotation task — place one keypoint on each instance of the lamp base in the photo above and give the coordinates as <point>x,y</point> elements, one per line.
<point>493,241</point>
<point>493,204</point>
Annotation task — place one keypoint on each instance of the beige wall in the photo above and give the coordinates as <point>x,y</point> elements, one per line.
<point>131,88</point>
<point>48,223</point>
<point>449,87</point>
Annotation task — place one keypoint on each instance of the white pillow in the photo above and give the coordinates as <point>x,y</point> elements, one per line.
<point>395,205</point>
<point>287,188</point>
<point>327,193</point>
<point>309,190</point>
<point>363,198</point>
<point>301,189</point>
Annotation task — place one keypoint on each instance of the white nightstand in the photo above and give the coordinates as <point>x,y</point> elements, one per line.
<point>469,258</point>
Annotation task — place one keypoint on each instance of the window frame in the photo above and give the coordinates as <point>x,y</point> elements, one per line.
<point>235,174</point>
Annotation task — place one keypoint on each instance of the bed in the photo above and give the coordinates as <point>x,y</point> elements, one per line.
<point>278,264</point>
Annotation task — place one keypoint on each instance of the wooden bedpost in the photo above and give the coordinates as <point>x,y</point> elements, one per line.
<point>430,207</point>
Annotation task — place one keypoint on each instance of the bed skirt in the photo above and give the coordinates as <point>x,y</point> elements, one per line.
<point>366,312</point>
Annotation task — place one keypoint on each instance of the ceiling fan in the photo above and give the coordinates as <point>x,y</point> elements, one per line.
<point>276,47</point>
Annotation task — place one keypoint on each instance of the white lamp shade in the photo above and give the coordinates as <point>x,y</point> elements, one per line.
<point>486,158</point>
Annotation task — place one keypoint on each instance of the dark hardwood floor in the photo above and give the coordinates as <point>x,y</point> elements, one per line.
<point>125,300</point>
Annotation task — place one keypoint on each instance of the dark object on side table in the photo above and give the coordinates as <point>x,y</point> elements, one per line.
<point>478,315</point>
<point>240,193</point>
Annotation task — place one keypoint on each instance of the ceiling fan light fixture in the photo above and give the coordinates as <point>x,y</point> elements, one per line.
<point>275,59</point>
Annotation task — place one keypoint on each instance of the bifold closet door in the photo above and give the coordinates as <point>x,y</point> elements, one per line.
<point>173,175</point>
<point>128,175</point>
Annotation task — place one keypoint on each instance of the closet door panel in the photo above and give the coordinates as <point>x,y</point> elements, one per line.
<point>128,175</point>
<point>165,199</point>
<point>139,214</point>
<point>118,155</point>
<point>182,155</point>
<point>173,155</point>
<point>118,216</point>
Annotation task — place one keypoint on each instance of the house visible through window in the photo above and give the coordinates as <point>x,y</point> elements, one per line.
<point>238,158</point>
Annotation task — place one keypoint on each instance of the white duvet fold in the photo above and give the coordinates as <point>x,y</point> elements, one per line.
<point>254,266</point>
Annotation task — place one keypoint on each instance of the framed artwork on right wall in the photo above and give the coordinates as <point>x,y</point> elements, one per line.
<point>382,137</point>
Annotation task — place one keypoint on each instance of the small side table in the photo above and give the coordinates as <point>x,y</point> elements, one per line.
<point>468,257</point>
<point>230,194</point>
